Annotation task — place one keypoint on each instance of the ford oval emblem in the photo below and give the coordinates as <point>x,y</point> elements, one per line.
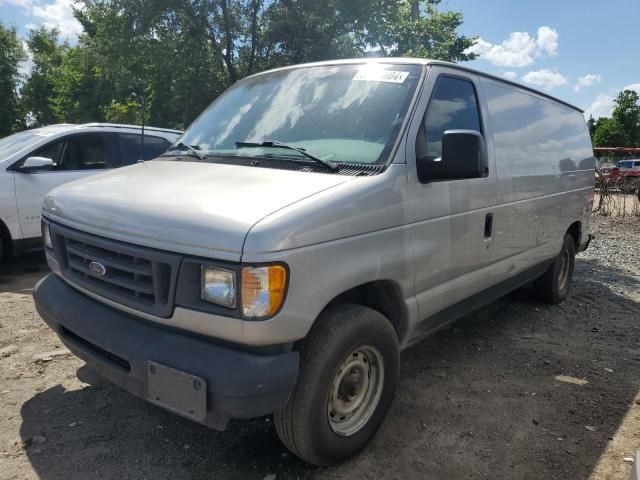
<point>97,269</point>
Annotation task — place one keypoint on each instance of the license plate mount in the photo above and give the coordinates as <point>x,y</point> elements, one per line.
<point>177,391</point>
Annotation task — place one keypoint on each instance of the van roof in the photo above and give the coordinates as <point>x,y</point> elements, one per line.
<point>73,126</point>
<point>425,61</point>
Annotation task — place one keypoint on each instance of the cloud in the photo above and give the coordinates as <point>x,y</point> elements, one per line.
<point>51,13</point>
<point>587,81</point>
<point>510,75</point>
<point>58,14</point>
<point>545,78</point>
<point>602,105</point>
<point>26,4</point>
<point>519,49</point>
<point>634,86</point>
<point>547,41</point>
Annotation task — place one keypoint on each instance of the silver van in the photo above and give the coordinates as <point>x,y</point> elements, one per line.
<point>313,222</point>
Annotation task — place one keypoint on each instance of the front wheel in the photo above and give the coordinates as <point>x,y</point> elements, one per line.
<point>349,366</point>
<point>553,286</point>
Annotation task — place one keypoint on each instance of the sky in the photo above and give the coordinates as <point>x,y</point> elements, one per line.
<point>582,51</point>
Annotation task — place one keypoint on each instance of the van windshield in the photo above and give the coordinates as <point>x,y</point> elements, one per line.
<point>339,113</point>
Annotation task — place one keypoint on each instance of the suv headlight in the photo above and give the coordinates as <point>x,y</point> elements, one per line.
<point>263,290</point>
<point>46,236</point>
<point>219,286</point>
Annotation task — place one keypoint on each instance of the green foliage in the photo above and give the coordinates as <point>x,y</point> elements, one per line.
<point>176,56</point>
<point>627,114</point>
<point>129,112</point>
<point>416,28</point>
<point>39,97</point>
<point>623,128</point>
<point>11,54</point>
<point>609,132</point>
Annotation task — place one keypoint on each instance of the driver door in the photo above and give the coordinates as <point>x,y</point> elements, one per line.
<point>73,157</point>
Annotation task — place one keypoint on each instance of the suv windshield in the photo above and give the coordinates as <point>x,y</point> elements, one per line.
<point>16,142</point>
<point>341,113</point>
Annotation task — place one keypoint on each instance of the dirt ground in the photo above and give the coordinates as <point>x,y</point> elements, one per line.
<point>482,399</point>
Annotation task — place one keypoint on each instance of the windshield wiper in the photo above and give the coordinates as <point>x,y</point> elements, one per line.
<point>191,149</point>
<point>275,144</point>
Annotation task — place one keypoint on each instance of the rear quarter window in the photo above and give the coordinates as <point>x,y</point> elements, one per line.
<point>129,144</point>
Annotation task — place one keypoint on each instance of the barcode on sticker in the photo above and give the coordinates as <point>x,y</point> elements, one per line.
<point>372,75</point>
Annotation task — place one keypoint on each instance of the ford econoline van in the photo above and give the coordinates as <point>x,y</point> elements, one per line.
<point>313,222</point>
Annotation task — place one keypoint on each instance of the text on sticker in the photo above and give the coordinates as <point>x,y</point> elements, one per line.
<point>370,75</point>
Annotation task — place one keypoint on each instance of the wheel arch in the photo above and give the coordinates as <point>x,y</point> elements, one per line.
<point>575,230</point>
<point>7,241</point>
<point>384,296</point>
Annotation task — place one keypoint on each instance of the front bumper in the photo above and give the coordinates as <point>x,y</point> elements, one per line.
<point>120,346</point>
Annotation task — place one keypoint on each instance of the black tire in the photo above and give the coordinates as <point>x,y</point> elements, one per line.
<point>304,426</point>
<point>553,286</point>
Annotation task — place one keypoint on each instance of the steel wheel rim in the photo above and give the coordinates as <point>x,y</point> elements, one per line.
<point>355,391</point>
<point>565,265</point>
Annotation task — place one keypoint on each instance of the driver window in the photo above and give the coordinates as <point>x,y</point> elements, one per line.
<point>453,106</point>
<point>84,152</point>
<point>53,151</point>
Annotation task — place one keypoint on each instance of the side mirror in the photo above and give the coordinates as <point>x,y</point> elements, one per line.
<point>33,164</point>
<point>462,157</point>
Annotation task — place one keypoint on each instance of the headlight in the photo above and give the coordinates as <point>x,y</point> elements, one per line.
<point>46,236</point>
<point>263,290</point>
<point>219,286</point>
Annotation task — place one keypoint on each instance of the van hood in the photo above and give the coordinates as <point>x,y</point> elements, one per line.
<point>195,208</point>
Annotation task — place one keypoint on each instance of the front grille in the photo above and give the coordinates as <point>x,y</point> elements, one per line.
<point>138,277</point>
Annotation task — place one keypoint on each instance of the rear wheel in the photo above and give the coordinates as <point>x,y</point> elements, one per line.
<point>349,365</point>
<point>553,286</point>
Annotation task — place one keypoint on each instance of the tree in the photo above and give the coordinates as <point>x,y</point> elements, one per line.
<point>176,56</point>
<point>11,54</point>
<point>591,125</point>
<point>609,133</point>
<point>416,28</point>
<point>627,114</point>
<point>310,30</point>
<point>39,98</point>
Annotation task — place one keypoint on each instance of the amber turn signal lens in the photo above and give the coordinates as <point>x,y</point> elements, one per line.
<point>263,290</point>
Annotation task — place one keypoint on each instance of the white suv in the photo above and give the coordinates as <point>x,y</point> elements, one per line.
<point>35,161</point>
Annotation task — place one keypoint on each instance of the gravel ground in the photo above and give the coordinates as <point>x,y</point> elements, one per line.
<point>516,390</point>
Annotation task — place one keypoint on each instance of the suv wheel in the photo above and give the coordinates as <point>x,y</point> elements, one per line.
<point>553,285</point>
<point>349,365</point>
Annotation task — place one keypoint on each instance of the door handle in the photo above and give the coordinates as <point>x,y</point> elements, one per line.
<point>488,226</point>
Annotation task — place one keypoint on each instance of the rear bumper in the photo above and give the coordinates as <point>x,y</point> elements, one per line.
<point>119,346</point>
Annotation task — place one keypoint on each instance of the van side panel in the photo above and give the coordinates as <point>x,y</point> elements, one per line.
<point>545,169</point>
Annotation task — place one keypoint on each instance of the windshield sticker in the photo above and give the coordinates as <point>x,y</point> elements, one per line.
<point>371,75</point>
